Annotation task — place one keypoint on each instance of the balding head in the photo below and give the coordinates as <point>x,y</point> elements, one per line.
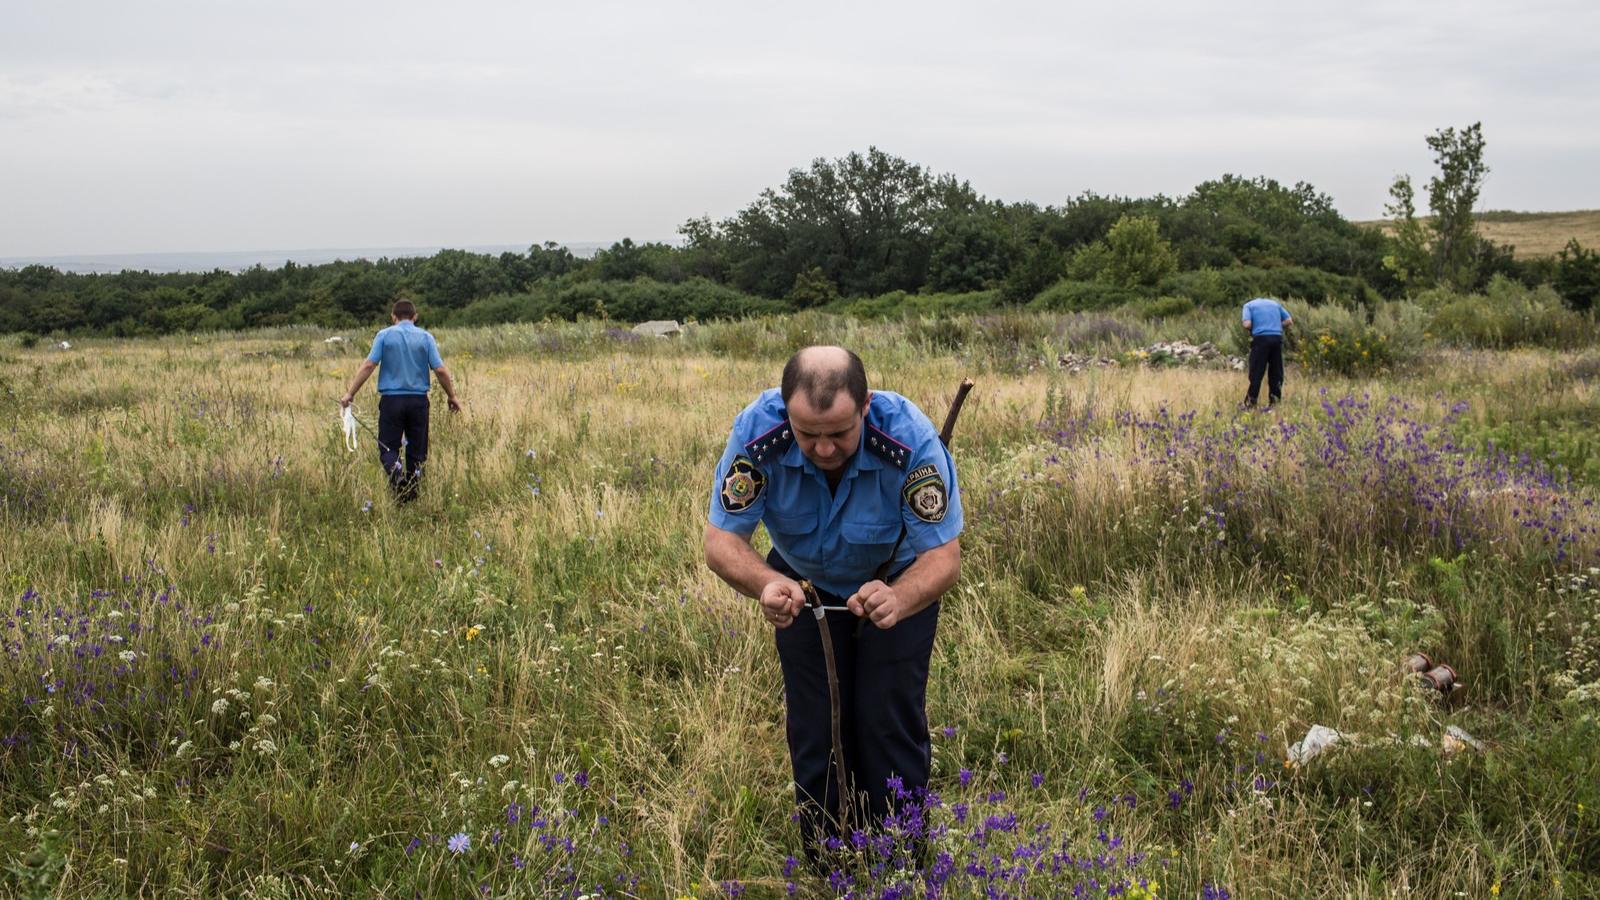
<point>822,372</point>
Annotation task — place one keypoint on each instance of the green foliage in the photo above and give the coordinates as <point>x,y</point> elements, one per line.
<point>1164,307</point>
<point>1507,314</point>
<point>1451,196</point>
<point>863,219</point>
<point>1041,267</point>
<point>1137,257</point>
<point>898,304</point>
<point>1577,276</point>
<point>1410,261</point>
<point>1343,341</point>
<point>1233,287</point>
<point>1074,296</point>
<point>812,288</point>
<point>971,252</point>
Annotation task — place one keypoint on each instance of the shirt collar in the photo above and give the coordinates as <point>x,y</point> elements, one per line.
<point>860,461</point>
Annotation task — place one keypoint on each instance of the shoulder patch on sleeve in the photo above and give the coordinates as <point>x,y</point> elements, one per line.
<point>926,494</point>
<point>881,444</point>
<point>742,485</point>
<point>772,444</point>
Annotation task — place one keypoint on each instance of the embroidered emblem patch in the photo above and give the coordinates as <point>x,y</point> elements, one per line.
<point>742,485</point>
<point>925,494</point>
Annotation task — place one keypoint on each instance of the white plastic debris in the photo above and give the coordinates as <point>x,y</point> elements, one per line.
<point>1456,739</point>
<point>336,339</point>
<point>1318,739</point>
<point>349,422</point>
<point>64,345</point>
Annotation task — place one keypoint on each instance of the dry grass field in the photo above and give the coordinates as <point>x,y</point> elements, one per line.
<point>232,667</point>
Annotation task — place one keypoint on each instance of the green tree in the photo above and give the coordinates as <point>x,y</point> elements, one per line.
<point>1451,195</point>
<point>865,220</point>
<point>1410,259</point>
<point>1577,277</point>
<point>1041,267</point>
<point>812,288</point>
<point>1137,256</point>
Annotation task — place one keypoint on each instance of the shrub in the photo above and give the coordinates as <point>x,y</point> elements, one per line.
<point>1091,331</point>
<point>1346,341</point>
<point>1073,296</point>
<point>900,303</point>
<point>1506,315</point>
<point>1163,307</point>
<point>1232,287</point>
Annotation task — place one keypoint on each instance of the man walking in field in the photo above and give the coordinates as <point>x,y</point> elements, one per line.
<point>403,354</point>
<point>835,472</point>
<point>1265,319</point>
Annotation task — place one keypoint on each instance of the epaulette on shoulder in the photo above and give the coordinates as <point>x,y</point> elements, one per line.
<point>880,443</point>
<point>770,445</point>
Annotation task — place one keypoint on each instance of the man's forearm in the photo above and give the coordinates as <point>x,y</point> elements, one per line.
<point>927,578</point>
<point>736,562</point>
<point>446,382</point>
<point>360,378</point>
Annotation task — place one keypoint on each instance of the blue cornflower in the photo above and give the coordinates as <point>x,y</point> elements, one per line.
<point>459,842</point>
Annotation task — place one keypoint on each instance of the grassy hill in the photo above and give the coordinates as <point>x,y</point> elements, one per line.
<point>1535,233</point>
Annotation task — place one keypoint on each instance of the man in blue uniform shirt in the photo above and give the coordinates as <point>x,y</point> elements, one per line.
<point>835,472</point>
<point>1265,319</point>
<point>403,354</point>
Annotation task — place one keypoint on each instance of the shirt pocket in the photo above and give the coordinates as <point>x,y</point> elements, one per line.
<point>799,526</point>
<point>869,533</point>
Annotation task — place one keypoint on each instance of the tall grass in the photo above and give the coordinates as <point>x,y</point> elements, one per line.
<point>234,667</point>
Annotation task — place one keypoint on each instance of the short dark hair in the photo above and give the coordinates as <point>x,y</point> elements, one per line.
<point>404,309</point>
<point>821,383</point>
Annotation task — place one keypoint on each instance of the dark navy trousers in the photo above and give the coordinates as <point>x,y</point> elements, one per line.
<point>403,415</point>
<point>883,688</point>
<point>1266,357</point>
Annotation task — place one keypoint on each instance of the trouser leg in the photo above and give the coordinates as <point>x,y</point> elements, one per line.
<point>1275,372</point>
<point>891,688</point>
<point>391,425</point>
<point>1257,367</point>
<point>416,431</point>
<point>809,713</point>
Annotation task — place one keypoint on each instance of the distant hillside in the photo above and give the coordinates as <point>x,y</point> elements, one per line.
<point>1534,233</point>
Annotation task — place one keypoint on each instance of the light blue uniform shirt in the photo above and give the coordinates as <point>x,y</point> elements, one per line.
<point>1265,315</point>
<point>900,476</point>
<point>405,354</point>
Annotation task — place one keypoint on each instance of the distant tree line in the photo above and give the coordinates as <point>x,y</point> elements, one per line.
<point>863,226</point>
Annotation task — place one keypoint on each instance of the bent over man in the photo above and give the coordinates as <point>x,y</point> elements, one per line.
<point>848,482</point>
<point>1265,319</point>
<point>403,354</point>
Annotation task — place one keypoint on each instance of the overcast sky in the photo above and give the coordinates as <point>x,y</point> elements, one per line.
<point>246,124</point>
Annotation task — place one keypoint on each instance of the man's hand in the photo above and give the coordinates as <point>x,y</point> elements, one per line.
<point>781,600</point>
<point>346,400</point>
<point>455,405</point>
<point>878,602</point>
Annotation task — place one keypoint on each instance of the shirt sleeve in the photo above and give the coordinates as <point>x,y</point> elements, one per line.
<point>1245,310</point>
<point>930,499</point>
<point>377,349</point>
<point>1283,313</point>
<point>434,359</point>
<point>739,491</point>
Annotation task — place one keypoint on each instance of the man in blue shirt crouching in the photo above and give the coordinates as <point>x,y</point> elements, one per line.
<point>1265,319</point>
<point>836,472</point>
<point>403,354</point>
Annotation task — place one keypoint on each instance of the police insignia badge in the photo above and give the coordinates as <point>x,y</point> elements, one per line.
<point>925,494</point>
<point>742,485</point>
